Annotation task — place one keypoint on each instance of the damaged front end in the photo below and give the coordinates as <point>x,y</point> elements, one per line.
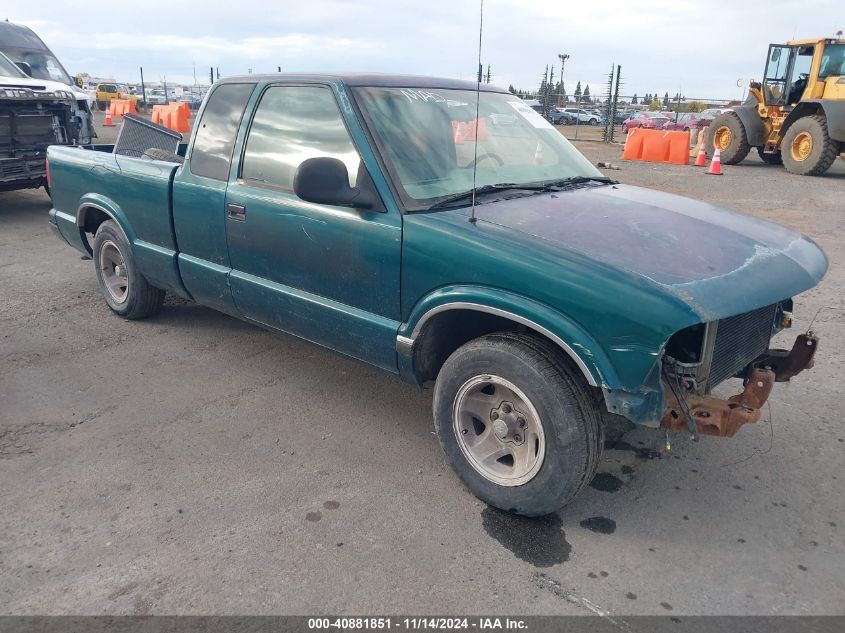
<point>700,357</point>
<point>30,121</point>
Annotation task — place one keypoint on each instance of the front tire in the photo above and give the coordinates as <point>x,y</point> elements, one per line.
<point>125,289</point>
<point>517,423</point>
<point>728,132</point>
<point>807,148</point>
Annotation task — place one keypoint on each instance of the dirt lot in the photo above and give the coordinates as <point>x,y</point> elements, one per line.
<point>192,463</point>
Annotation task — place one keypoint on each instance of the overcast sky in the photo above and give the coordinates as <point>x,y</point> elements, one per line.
<point>699,48</point>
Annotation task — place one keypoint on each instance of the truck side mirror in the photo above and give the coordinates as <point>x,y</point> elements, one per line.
<point>325,180</point>
<point>26,68</point>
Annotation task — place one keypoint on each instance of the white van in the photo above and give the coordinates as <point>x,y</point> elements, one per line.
<point>20,44</point>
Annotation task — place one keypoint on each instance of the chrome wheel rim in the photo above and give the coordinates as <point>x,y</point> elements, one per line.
<point>498,430</point>
<point>113,271</point>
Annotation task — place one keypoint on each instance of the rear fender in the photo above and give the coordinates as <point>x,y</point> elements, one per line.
<point>95,201</point>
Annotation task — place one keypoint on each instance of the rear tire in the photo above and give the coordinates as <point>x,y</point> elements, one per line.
<point>125,289</point>
<point>517,423</point>
<point>770,159</point>
<point>807,147</point>
<point>727,130</point>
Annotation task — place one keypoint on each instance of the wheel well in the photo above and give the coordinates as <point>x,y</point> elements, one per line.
<point>446,331</point>
<point>800,111</point>
<point>90,220</point>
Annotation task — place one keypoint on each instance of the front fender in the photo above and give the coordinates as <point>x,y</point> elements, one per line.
<point>834,112</point>
<point>585,351</point>
<point>752,123</point>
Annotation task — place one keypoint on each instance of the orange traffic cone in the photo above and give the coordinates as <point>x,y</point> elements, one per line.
<point>715,168</point>
<point>538,154</point>
<point>108,122</point>
<point>701,158</point>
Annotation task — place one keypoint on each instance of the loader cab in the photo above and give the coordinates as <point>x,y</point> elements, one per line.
<point>787,72</point>
<point>803,69</point>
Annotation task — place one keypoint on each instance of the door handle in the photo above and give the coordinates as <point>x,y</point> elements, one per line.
<point>236,211</point>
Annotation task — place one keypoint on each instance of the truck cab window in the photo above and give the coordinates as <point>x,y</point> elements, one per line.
<point>292,124</point>
<point>212,152</point>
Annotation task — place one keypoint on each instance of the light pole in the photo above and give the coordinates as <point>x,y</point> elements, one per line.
<point>562,57</point>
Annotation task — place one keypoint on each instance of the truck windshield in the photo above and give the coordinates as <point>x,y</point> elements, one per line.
<point>9,69</point>
<point>42,62</point>
<point>427,141</point>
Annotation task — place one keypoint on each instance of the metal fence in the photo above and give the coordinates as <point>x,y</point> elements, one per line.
<point>611,109</point>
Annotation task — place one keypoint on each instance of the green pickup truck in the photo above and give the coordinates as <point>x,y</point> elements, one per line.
<point>454,238</point>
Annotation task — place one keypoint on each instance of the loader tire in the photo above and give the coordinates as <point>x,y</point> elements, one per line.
<point>729,132</point>
<point>807,147</point>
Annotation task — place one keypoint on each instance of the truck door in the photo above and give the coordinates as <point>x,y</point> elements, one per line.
<point>199,198</point>
<point>325,273</point>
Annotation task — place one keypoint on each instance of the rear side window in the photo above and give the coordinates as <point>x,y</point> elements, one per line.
<point>211,155</point>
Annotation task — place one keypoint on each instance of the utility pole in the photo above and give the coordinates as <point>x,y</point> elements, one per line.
<point>562,57</point>
<point>210,75</point>
<point>488,73</point>
<point>143,88</point>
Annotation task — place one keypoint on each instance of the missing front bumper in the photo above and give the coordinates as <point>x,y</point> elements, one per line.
<point>714,416</point>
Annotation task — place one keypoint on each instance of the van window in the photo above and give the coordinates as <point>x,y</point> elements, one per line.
<point>211,155</point>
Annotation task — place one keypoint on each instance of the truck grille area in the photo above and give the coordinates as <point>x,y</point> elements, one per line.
<point>739,340</point>
<point>27,129</point>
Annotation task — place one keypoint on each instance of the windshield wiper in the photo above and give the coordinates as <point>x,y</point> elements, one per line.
<point>556,185</point>
<point>485,189</point>
<point>580,180</point>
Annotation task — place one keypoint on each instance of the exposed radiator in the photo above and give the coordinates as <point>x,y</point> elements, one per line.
<point>137,135</point>
<point>739,340</point>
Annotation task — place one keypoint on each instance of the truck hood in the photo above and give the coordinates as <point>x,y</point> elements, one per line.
<point>719,262</point>
<point>38,85</point>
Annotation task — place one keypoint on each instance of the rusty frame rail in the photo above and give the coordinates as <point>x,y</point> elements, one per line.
<point>723,418</point>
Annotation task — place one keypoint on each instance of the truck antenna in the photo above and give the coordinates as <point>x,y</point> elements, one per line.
<point>477,99</point>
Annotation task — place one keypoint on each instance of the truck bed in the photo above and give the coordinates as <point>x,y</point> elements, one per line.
<point>135,192</point>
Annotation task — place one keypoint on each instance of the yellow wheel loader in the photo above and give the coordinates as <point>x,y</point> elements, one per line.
<point>795,116</point>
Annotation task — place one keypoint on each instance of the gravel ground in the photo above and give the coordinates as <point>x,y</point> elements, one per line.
<point>192,463</point>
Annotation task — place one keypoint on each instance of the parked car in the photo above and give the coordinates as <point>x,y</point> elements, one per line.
<point>156,96</point>
<point>688,122</point>
<point>646,120</point>
<point>712,113</point>
<point>555,115</point>
<point>582,116</point>
<point>560,117</point>
<point>108,91</point>
<point>541,298</point>
<point>621,116</point>
<point>194,101</point>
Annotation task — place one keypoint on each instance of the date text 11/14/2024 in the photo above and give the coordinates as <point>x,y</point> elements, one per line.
<point>417,623</point>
